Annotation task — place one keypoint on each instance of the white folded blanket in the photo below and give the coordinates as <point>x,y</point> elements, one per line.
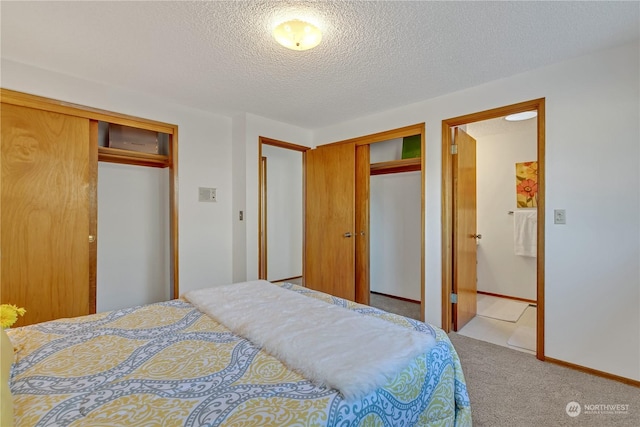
<point>327,344</point>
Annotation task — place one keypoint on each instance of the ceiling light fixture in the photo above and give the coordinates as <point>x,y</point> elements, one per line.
<point>525,115</point>
<point>297,35</point>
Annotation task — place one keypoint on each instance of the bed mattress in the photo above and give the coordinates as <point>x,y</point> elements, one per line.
<point>168,364</point>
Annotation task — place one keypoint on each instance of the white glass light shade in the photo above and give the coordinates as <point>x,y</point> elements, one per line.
<point>525,115</point>
<point>297,35</point>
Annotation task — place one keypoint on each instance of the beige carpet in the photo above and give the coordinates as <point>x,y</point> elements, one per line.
<point>500,308</point>
<point>514,389</point>
<point>396,306</point>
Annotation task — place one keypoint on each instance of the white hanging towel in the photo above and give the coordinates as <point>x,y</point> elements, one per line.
<point>525,230</point>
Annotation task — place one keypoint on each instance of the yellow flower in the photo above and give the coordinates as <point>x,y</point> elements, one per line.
<point>9,314</point>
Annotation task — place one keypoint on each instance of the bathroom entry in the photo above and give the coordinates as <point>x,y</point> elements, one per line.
<point>461,232</point>
<point>506,200</point>
<point>506,189</point>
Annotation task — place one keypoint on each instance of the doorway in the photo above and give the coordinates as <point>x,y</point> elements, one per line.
<point>281,210</point>
<point>460,234</point>
<point>506,277</point>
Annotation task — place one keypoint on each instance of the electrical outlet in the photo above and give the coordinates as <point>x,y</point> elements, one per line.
<point>241,216</point>
<point>206,194</point>
<point>559,216</point>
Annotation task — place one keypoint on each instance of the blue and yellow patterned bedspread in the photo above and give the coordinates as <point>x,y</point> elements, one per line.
<point>167,364</point>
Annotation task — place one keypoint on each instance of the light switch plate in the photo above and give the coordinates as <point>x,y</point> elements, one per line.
<point>559,216</point>
<point>206,194</point>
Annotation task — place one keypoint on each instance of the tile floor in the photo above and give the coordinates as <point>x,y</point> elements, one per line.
<point>498,331</point>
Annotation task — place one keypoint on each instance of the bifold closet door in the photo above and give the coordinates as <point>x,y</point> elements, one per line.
<point>45,213</point>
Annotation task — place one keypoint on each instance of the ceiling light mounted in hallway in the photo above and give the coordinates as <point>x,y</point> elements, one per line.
<point>297,35</point>
<point>525,115</point>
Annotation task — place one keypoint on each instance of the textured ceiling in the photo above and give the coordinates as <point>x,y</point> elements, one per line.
<point>220,56</point>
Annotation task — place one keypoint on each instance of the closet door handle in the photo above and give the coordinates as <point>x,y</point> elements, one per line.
<point>348,234</point>
<point>92,239</point>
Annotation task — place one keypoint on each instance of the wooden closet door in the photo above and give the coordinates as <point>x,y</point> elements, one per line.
<point>330,220</point>
<point>45,213</point>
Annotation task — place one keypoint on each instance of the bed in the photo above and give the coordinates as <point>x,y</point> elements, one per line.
<point>170,364</point>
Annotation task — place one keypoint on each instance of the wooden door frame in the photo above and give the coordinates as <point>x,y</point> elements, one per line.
<point>362,286</point>
<point>263,254</point>
<point>262,194</point>
<point>447,207</point>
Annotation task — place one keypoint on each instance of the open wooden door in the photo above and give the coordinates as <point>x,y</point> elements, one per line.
<point>330,220</point>
<point>464,229</point>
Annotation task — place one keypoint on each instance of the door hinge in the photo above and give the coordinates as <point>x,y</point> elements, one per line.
<point>454,149</point>
<point>454,298</point>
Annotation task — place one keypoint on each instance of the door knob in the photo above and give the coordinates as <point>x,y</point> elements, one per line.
<point>92,239</point>
<point>477,236</point>
<point>348,234</point>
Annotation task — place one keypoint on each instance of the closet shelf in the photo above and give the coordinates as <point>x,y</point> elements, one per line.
<point>396,166</point>
<point>115,155</point>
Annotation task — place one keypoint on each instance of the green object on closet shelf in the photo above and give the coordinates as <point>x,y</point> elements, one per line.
<point>411,147</point>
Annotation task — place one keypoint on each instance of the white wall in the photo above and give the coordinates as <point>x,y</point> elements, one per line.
<point>284,212</point>
<point>394,232</point>
<point>592,275</point>
<point>133,236</point>
<point>239,160</point>
<point>256,126</point>
<point>500,271</point>
<point>385,151</point>
<point>394,206</point>
<point>204,159</point>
